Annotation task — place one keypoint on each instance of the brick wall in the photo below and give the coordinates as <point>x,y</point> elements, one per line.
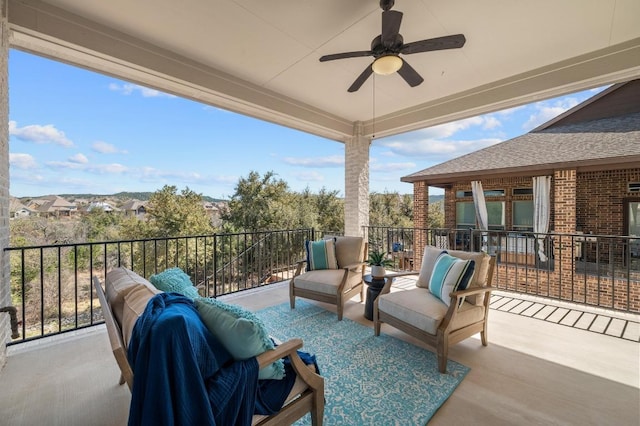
<point>420,220</point>
<point>576,287</point>
<point>5,286</point>
<point>585,201</point>
<point>599,200</point>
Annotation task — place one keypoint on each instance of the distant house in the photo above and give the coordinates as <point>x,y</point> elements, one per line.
<point>54,206</point>
<point>590,159</point>
<point>101,205</point>
<point>213,211</point>
<point>134,208</point>
<point>17,209</point>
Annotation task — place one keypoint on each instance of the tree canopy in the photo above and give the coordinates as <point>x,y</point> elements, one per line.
<point>171,214</point>
<point>266,203</point>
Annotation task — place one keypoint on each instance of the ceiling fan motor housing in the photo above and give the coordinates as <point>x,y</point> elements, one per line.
<point>379,49</point>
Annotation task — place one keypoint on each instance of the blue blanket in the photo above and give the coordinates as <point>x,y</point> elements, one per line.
<point>182,374</point>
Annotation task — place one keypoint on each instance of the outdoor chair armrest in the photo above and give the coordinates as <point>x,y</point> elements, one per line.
<point>299,265</point>
<point>400,274</point>
<point>280,351</point>
<point>354,265</point>
<point>388,279</point>
<point>459,295</point>
<point>290,349</point>
<point>471,291</point>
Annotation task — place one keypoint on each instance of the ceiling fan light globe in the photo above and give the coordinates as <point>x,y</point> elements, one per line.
<point>386,65</point>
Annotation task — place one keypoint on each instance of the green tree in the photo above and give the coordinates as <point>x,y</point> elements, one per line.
<point>330,210</point>
<point>390,209</point>
<point>259,203</point>
<point>263,203</point>
<point>172,214</point>
<point>436,215</point>
<point>99,225</point>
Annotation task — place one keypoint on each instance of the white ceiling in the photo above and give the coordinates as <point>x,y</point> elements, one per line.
<point>260,57</point>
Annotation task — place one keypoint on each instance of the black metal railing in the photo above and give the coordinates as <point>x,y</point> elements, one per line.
<point>51,285</point>
<point>596,270</point>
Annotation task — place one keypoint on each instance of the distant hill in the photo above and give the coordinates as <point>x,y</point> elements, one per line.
<point>142,196</point>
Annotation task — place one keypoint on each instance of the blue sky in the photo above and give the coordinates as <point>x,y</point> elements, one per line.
<point>75,131</point>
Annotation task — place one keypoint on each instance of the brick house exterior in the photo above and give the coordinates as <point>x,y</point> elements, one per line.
<point>592,153</point>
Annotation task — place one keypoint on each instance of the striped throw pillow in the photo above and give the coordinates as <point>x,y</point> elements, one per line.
<point>321,254</point>
<point>450,274</point>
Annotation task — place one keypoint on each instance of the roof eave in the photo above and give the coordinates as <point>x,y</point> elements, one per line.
<point>446,179</point>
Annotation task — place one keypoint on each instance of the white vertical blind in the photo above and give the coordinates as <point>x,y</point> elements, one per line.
<point>482,217</point>
<point>541,210</point>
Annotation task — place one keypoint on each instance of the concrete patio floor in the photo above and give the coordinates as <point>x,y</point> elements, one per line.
<point>534,372</point>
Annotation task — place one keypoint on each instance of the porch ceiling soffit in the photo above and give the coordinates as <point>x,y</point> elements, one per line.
<point>52,32</point>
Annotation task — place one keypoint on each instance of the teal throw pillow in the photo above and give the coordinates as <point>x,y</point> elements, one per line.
<point>174,280</point>
<point>321,254</point>
<point>242,333</point>
<point>450,274</point>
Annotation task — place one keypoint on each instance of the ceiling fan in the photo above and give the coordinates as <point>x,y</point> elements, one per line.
<point>387,47</point>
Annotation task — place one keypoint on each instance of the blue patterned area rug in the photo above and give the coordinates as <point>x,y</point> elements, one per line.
<point>368,380</point>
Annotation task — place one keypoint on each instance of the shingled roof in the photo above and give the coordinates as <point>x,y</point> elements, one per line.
<point>562,143</point>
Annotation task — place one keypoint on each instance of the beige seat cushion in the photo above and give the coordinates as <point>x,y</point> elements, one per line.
<point>118,283</point>
<point>423,310</point>
<point>135,302</point>
<point>326,280</point>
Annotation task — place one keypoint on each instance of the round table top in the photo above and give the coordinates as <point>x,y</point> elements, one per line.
<point>368,278</point>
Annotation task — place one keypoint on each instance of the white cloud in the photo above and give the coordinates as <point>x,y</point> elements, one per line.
<point>22,161</point>
<point>446,130</point>
<point>39,134</point>
<point>79,158</point>
<point>309,176</point>
<point>316,162</point>
<point>150,174</point>
<point>113,168</point>
<point>128,89</point>
<point>545,111</point>
<point>106,148</point>
<point>101,169</point>
<point>437,149</point>
<point>391,167</point>
<point>490,122</point>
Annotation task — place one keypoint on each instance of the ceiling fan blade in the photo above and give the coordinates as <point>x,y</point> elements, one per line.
<point>410,75</point>
<point>361,79</point>
<point>391,20</point>
<point>439,43</point>
<point>346,55</point>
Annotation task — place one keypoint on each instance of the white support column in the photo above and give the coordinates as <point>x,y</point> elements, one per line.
<point>356,176</point>
<point>5,283</point>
